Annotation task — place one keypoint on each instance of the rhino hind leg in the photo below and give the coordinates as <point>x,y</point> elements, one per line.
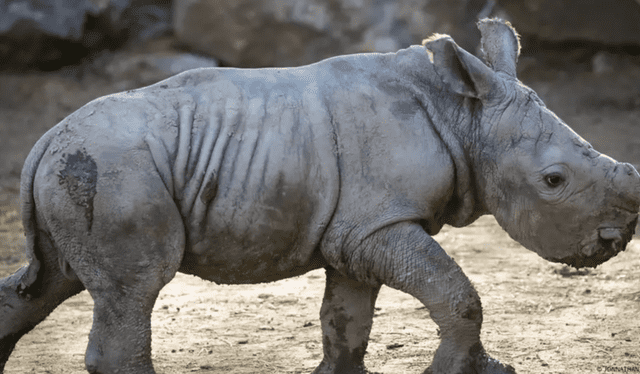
<point>124,281</point>
<point>124,288</point>
<point>346,316</point>
<point>120,338</point>
<point>132,248</point>
<point>20,312</point>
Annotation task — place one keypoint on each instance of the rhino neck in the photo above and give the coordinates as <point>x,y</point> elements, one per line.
<point>456,129</point>
<point>454,119</point>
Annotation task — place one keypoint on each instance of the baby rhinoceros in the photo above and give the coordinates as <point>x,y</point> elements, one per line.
<point>351,164</point>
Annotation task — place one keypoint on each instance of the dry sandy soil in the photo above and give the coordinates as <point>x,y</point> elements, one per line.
<point>539,317</point>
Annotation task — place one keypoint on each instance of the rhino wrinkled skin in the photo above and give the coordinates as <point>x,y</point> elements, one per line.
<point>351,164</point>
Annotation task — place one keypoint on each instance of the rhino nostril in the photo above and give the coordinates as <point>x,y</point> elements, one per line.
<point>611,234</point>
<point>612,238</point>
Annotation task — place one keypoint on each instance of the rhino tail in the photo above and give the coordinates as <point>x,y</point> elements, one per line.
<point>26,285</point>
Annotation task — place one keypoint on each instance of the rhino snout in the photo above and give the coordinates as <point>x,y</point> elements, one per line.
<point>611,241</point>
<point>603,245</point>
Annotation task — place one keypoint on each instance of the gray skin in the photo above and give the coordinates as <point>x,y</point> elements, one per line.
<point>351,164</point>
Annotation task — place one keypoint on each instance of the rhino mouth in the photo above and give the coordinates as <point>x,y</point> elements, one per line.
<point>609,242</point>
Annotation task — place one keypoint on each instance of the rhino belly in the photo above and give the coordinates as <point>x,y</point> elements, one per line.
<point>259,241</point>
<point>259,215</point>
<point>228,261</point>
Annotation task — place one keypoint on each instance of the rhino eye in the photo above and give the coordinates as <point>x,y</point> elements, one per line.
<point>554,180</point>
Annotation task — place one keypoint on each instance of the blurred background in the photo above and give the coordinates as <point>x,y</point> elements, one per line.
<point>581,56</point>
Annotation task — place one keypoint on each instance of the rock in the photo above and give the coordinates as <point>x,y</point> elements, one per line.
<point>138,70</point>
<point>147,19</point>
<point>257,33</point>
<point>64,19</point>
<point>50,34</point>
<point>182,62</point>
<point>614,22</point>
<point>603,63</point>
<point>34,32</point>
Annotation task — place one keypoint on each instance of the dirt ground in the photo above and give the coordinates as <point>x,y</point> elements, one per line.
<point>538,316</point>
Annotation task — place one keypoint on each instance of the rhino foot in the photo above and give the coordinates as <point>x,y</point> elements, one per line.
<point>20,312</point>
<point>491,367</point>
<point>6,347</point>
<point>480,363</point>
<point>341,369</point>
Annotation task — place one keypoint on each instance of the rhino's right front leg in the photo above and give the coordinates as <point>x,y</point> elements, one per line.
<point>403,256</point>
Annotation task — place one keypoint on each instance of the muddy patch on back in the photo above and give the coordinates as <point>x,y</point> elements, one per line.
<point>79,177</point>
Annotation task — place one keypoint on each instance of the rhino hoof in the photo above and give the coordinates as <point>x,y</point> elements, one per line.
<point>494,366</point>
<point>325,368</point>
<point>479,362</point>
<point>483,364</point>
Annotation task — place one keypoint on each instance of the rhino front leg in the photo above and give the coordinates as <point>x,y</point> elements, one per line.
<point>346,316</point>
<point>403,256</point>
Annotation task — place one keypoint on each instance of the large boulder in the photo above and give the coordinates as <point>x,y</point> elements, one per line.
<point>614,22</point>
<point>257,33</point>
<point>49,34</point>
<point>64,19</point>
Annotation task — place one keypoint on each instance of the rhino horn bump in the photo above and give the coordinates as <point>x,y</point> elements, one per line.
<point>629,182</point>
<point>500,45</point>
<point>633,171</point>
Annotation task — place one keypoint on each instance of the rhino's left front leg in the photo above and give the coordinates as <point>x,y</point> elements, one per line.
<point>403,256</point>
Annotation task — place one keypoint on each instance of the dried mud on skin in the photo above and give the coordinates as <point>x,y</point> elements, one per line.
<point>539,317</point>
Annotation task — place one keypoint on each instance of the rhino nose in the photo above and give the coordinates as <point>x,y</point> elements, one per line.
<point>611,241</point>
<point>627,183</point>
<point>611,234</point>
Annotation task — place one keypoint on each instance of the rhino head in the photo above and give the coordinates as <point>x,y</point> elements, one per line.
<point>546,186</point>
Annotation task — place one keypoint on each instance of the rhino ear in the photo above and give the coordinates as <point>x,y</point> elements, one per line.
<point>461,71</point>
<point>500,45</point>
